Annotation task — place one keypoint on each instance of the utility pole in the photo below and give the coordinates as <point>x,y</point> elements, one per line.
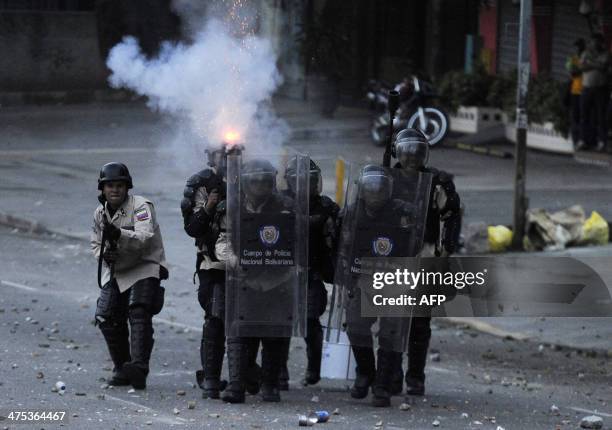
<point>524,69</point>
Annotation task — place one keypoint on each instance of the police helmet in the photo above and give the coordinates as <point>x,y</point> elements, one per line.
<point>411,148</point>
<point>375,186</point>
<point>114,172</point>
<point>258,178</point>
<point>316,182</point>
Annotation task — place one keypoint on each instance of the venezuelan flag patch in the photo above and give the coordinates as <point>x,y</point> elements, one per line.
<point>142,214</point>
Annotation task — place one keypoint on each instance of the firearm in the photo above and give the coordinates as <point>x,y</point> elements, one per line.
<point>393,105</point>
<point>112,244</point>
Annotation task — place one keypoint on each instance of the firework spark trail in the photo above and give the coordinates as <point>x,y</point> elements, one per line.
<point>219,82</point>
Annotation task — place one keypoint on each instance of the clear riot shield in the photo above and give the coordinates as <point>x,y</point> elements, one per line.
<point>267,231</point>
<point>384,216</point>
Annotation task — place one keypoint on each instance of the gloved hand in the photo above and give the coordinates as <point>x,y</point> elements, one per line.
<point>110,256</point>
<point>211,203</point>
<point>113,232</point>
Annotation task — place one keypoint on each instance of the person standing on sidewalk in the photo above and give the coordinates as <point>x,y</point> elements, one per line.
<point>573,68</point>
<point>127,242</point>
<point>595,64</point>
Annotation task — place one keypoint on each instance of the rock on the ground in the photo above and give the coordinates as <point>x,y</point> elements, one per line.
<point>591,422</point>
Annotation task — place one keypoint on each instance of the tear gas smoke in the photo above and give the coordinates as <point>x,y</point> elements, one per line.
<point>218,83</point>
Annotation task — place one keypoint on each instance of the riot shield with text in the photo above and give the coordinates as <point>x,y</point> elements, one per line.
<point>267,229</point>
<point>384,216</point>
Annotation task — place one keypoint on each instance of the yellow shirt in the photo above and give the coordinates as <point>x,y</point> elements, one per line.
<point>573,63</point>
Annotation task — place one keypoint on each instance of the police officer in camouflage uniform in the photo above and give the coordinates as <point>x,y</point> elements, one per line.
<point>127,241</point>
<point>411,150</point>
<point>203,192</point>
<point>323,218</point>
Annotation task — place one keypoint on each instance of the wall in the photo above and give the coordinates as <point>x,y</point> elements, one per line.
<point>50,51</point>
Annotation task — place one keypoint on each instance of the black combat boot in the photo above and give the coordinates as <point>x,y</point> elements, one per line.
<point>366,370</point>
<point>116,336</point>
<point>211,354</point>
<point>415,377</point>
<point>237,357</point>
<point>273,356</point>
<point>141,340</point>
<point>253,376</point>
<point>381,389</point>
<point>314,351</point>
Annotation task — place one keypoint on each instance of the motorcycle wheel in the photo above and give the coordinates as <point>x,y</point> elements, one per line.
<point>379,133</point>
<point>436,127</point>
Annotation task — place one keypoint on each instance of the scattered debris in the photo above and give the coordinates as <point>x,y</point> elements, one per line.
<point>554,410</point>
<point>60,388</point>
<point>436,423</point>
<point>131,391</point>
<point>175,411</point>
<point>101,396</point>
<point>378,424</point>
<point>435,357</point>
<point>180,393</point>
<point>40,375</point>
<point>191,404</point>
<point>404,407</point>
<point>465,415</point>
<point>336,412</point>
<point>80,394</point>
<point>591,422</point>
<point>315,399</point>
<point>214,415</point>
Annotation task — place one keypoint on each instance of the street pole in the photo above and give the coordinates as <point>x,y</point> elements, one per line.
<point>524,68</point>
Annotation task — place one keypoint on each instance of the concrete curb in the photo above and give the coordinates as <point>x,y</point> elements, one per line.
<point>486,328</point>
<point>36,227</point>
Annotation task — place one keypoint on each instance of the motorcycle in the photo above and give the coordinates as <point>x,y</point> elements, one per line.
<point>415,111</point>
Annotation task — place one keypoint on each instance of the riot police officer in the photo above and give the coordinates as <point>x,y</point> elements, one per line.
<point>203,192</point>
<point>323,217</point>
<point>127,241</point>
<point>377,225</point>
<point>258,196</point>
<point>411,149</point>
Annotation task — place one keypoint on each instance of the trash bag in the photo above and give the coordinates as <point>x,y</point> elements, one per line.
<point>543,233</point>
<point>595,230</point>
<point>500,238</point>
<point>572,219</point>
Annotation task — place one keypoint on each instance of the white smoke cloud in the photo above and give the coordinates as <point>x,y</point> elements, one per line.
<point>219,82</point>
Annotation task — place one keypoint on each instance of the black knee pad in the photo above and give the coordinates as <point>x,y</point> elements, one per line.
<point>111,304</point>
<point>147,293</point>
<point>139,315</point>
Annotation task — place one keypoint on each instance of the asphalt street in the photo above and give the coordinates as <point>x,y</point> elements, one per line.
<point>49,161</point>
